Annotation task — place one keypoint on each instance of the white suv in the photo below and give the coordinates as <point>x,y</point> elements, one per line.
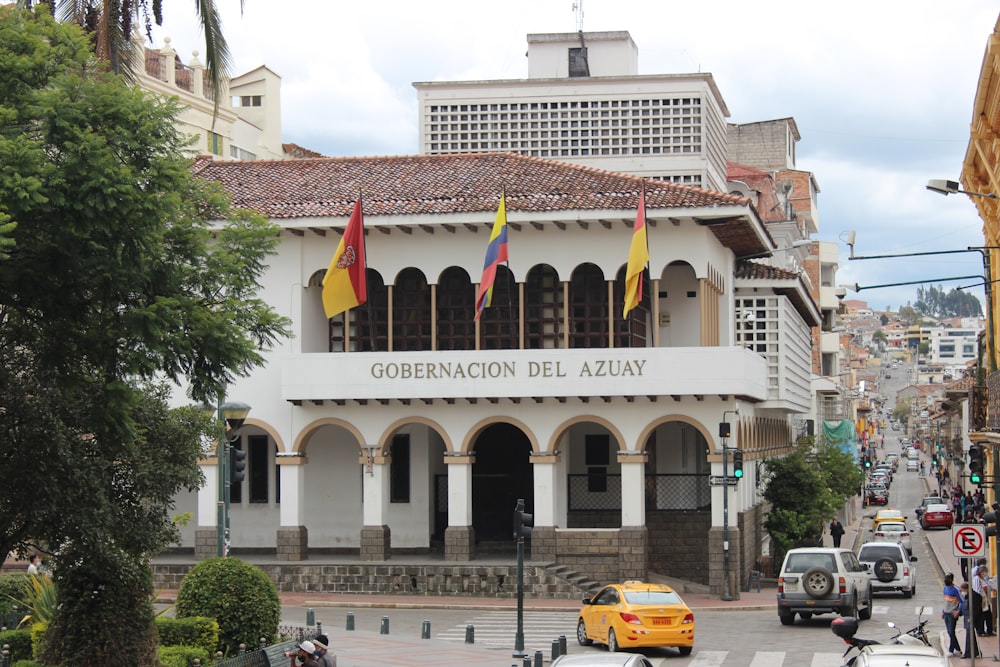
<point>817,580</point>
<point>889,567</point>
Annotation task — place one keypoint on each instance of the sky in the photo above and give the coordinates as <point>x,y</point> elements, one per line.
<point>881,91</point>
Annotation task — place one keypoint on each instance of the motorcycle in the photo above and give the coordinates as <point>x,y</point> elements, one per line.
<point>846,627</point>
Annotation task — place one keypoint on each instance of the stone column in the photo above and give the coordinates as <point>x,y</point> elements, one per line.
<point>459,536</point>
<point>548,491</point>
<point>633,537</point>
<point>376,538</point>
<point>206,534</point>
<point>293,536</point>
<point>716,572</point>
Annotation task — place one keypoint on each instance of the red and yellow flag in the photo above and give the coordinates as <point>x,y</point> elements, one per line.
<point>638,257</point>
<point>345,284</point>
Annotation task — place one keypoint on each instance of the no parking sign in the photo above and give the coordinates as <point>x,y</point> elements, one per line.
<point>968,540</point>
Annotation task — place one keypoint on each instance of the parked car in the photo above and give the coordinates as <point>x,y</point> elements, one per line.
<point>602,660</point>
<point>886,515</point>
<point>929,500</point>
<point>881,476</point>
<point>913,465</point>
<point>936,516</point>
<point>636,614</point>
<point>889,567</point>
<point>876,493</point>
<point>893,531</point>
<point>819,580</point>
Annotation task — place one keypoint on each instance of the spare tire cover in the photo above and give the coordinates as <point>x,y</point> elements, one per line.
<point>885,570</point>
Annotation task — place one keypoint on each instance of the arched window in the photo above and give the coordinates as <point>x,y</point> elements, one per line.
<point>374,311</point>
<point>588,308</point>
<point>631,331</point>
<point>543,309</point>
<point>456,307</point>
<point>498,323</point>
<point>411,312</point>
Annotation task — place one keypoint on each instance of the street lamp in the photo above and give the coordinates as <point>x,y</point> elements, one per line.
<point>945,187</point>
<point>232,416</point>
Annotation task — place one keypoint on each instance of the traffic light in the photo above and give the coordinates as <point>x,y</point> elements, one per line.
<point>725,431</point>
<point>738,463</point>
<point>977,461</point>
<point>522,521</point>
<point>237,465</point>
<point>868,463</point>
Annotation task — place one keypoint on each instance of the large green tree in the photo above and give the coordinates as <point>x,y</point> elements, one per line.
<point>804,490</point>
<point>124,269</point>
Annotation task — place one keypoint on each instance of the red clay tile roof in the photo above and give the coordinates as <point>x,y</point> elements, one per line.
<point>296,151</point>
<point>437,184</point>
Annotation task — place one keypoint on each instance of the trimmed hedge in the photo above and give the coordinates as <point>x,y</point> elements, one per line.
<point>19,642</point>
<point>183,656</point>
<point>193,631</point>
<point>12,588</point>
<point>236,594</point>
<point>27,663</point>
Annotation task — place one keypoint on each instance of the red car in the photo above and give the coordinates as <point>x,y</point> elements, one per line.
<point>936,516</point>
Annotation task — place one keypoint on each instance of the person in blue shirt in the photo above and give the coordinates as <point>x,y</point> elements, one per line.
<point>950,611</point>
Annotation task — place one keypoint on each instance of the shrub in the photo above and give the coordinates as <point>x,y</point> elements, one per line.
<point>12,585</point>
<point>182,656</point>
<point>196,631</point>
<point>27,663</point>
<point>19,642</point>
<point>238,595</point>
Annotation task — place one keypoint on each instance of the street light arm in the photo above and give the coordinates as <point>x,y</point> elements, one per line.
<point>945,187</point>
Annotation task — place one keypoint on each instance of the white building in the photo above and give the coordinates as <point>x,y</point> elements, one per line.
<point>585,102</point>
<point>247,123</point>
<point>415,429</point>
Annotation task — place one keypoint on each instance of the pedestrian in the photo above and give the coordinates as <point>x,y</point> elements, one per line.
<point>981,600</point>
<point>922,468</point>
<point>967,610</point>
<point>326,659</point>
<point>304,654</point>
<point>35,564</point>
<point>950,611</point>
<point>836,532</point>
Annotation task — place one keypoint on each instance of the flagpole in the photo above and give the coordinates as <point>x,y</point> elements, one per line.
<point>368,301</point>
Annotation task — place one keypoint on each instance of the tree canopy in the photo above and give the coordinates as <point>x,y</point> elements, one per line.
<point>122,271</point>
<point>935,302</point>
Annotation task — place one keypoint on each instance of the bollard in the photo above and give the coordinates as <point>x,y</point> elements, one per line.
<point>319,627</point>
<point>384,627</point>
<point>555,649</point>
<point>470,634</point>
<point>350,620</point>
<point>310,617</point>
<point>562,644</point>
<point>196,662</point>
<point>526,662</point>
<point>218,657</point>
<point>538,659</point>
<point>243,649</point>
<point>425,630</point>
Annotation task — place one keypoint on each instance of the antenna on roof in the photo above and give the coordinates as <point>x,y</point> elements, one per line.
<point>578,8</point>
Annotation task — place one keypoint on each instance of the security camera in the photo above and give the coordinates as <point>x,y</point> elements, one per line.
<point>841,292</point>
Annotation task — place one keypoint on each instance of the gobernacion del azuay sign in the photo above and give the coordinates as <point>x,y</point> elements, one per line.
<point>511,373</point>
<point>483,370</point>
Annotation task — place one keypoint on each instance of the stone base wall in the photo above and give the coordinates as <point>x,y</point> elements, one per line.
<point>678,544</point>
<point>459,543</point>
<point>543,544</point>
<point>490,581</point>
<point>376,543</point>
<point>594,553</point>
<point>293,543</point>
<point>206,544</point>
<point>633,549</point>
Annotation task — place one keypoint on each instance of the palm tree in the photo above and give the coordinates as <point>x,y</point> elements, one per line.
<point>110,23</point>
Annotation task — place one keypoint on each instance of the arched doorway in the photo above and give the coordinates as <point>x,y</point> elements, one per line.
<point>501,474</point>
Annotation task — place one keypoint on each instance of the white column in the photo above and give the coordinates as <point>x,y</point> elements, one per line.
<point>208,497</point>
<point>633,489</point>
<point>293,490</point>
<point>544,470</point>
<point>376,494</point>
<point>460,493</point>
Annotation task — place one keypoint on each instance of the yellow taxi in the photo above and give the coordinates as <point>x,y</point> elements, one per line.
<point>636,614</point>
<point>887,515</point>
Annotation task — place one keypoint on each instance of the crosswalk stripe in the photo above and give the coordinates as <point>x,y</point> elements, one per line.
<point>708,658</point>
<point>827,660</point>
<point>767,658</point>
